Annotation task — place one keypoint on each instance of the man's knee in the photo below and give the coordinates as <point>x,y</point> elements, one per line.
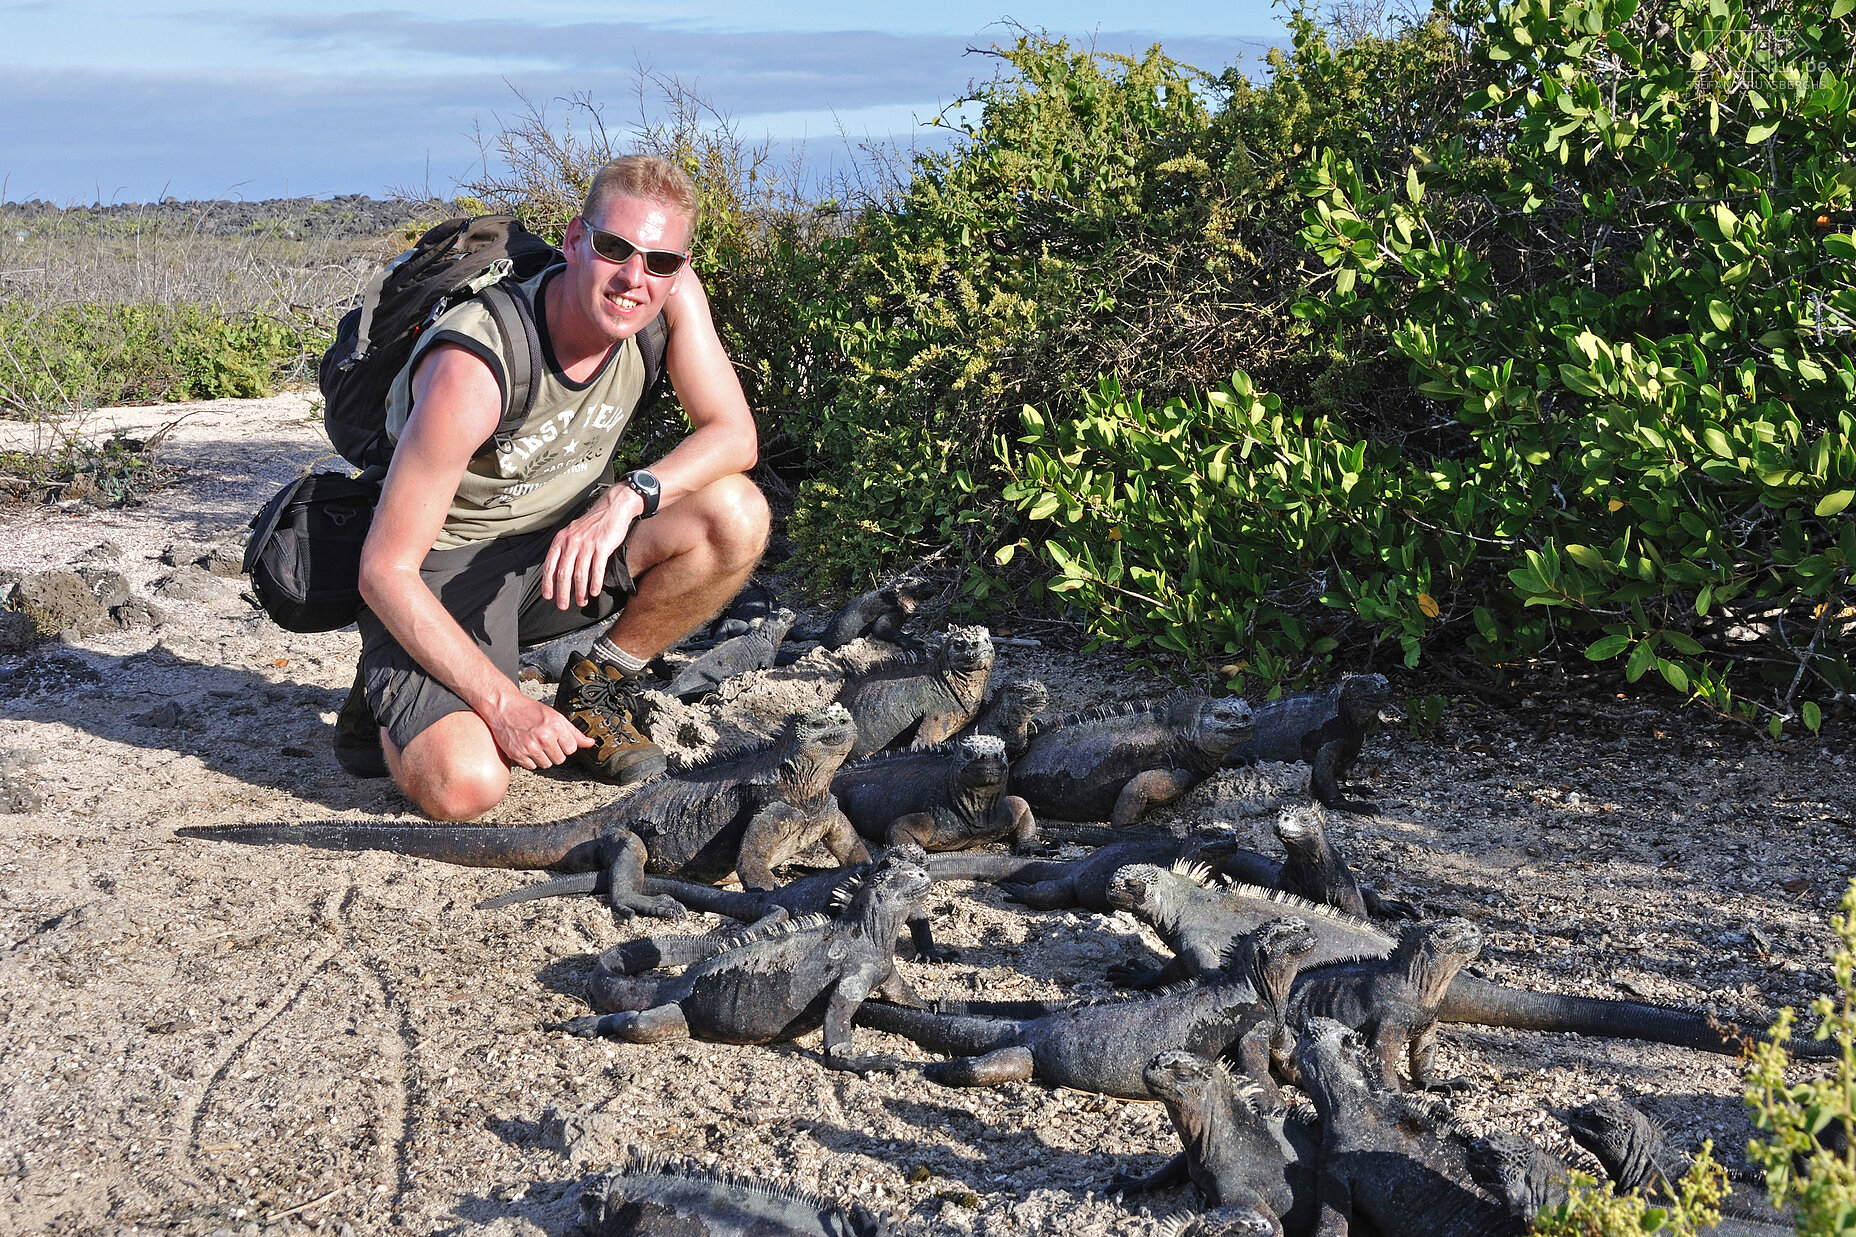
<point>738,520</point>
<point>449,771</point>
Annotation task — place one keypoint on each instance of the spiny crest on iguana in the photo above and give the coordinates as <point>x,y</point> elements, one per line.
<point>651,1196</point>
<point>1114,763</point>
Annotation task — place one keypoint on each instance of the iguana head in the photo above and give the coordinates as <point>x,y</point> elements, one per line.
<point>1271,956</point>
<point>1219,723</point>
<point>1180,1077</point>
<point>893,887</point>
<point>1363,695</point>
<point>1622,1138</point>
<point>1301,828</point>
<point>819,739</point>
<point>1133,888</point>
<point>1330,1059</point>
<point>1435,952</point>
<point>776,624</point>
<point>1021,700</point>
<point>1521,1176</point>
<point>908,592</point>
<point>980,761</point>
<point>968,650</point>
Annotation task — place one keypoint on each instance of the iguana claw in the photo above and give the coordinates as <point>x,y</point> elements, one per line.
<point>581,1028</point>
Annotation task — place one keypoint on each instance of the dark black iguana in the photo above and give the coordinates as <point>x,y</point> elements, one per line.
<point>1201,921</point>
<point>1058,884</point>
<point>816,894</point>
<point>878,614</point>
<point>1241,1150</point>
<point>1114,763</point>
<point>947,797</point>
<point>1105,1047</point>
<point>756,649</point>
<point>774,983</point>
<point>910,701</point>
<point>1636,1155</point>
<point>744,812</point>
<point>1390,1163</point>
<point>1314,868</point>
<point>1325,730</point>
<point>1010,713</point>
<point>649,1197</point>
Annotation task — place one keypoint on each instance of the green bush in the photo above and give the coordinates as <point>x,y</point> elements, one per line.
<point>1621,283</point>
<point>60,358</point>
<point>1809,1153</point>
<point>1598,1210</point>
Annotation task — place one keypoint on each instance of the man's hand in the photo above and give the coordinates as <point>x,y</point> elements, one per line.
<point>575,570</point>
<point>532,734</point>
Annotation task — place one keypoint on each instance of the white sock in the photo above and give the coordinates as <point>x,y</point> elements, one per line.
<point>604,650</point>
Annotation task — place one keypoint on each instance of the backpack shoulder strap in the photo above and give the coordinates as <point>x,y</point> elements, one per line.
<point>653,341</point>
<point>515,322</point>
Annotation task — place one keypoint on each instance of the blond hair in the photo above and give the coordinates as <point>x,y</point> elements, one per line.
<point>649,177</point>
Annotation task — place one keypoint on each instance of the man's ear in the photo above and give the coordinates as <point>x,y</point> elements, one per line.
<point>570,240</point>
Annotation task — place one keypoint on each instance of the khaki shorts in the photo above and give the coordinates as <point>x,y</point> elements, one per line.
<point>493,590</point>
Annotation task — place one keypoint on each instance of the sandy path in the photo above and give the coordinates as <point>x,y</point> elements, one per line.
<point>207,1038</point>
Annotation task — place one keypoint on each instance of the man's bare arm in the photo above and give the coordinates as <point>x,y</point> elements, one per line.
<point>722,441</point>
<point>456,407</point>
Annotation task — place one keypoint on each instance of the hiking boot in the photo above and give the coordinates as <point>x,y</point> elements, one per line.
<point>597,697</point>
<point>357,735</point>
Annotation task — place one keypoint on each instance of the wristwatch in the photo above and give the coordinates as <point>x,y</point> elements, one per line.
<point>645,484</point>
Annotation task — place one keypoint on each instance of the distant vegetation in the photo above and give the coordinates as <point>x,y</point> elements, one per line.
<point>1476,340</point>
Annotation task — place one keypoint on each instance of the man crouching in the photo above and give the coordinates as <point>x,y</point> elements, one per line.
<point>484,544</point>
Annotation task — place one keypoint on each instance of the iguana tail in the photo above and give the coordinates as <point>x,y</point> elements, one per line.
<point>967,866</point>
<point>560,887</point>
<point>951,1034</point>
<point>569,845</point>
<point>1474,1000</point>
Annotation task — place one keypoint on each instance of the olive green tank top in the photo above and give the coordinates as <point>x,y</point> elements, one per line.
<point>558,456</point>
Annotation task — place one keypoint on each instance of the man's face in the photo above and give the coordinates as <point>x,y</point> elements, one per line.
<point>620,297</point>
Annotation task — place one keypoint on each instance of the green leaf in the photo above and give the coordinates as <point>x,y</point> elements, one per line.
<point>1814,716</point>
<point>1842,8</point>
<point>1485,623</point>
<point>1641,659</point>
<point>1758,133</point>
<point>1414,188</point>
<point>1578,380</point>
<point>1606,647</point>
<point>1775,727</point>
<point>1720,314</point>
<point>1004,554</point>
<point>1839,244</point>
<point>1703,600</point>
<point>1682,644</point>
<point>1833,503</point>
<point>1044,506</point>
<point>1673,673</point>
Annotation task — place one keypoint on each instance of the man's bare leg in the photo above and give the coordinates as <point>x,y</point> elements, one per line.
<point>689,560</point>
<point>451,770</point>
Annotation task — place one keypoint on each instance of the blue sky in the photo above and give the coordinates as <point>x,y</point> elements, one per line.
<point>125,100</point>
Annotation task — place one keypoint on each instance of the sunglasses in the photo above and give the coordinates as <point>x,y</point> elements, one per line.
<point>615,248</point>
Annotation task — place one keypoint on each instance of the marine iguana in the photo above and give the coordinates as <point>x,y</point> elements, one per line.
<point>1053,884</point>
<point>1200,922</point>
<point>878,614</point>
<point>774,983</point>
<point>1104,1047</point>
<point>1325,730</point>
<point>907,701</point>
<point>1240,1149</point>
<point>1313,868</point>
<point>1636,1156</point>
<point>1009,714</point>
<point>1392,1163</point>
<point>649,1197</point>
<point>1114,763</point>
<point>755,650</point>
<point>939,798</point>
<point>1392,1001</point>
<point>1525,1178</point>
<point>744,812</point>
<point>816,894</point>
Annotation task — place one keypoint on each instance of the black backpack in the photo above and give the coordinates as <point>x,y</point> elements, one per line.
<point>304,555</point>
<point>482,257</point>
